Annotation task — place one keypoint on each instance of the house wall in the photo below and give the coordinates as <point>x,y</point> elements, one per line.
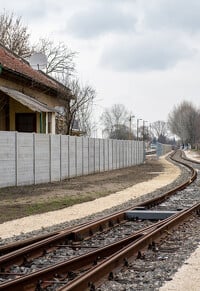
<point>51,101</point>
<point>2,120</point>
<point>16,107</point>
<point>3,110</point>
<point>29,158</point>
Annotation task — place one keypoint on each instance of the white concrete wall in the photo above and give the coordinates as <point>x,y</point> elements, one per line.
<point>162,149</point>
<point>8,158</point>
<point>29,158</point>
<point>25,157</point>
<point>42,158</point>
<point>64,156</point>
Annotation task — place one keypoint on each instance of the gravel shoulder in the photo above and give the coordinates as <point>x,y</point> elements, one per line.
<point>188,276</point>
<point>152,176</point>
<point>21,201</point>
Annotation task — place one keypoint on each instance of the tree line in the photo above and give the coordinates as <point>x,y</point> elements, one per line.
<point>60,65</point>
<point>184,122</point>
<point>117,122</point>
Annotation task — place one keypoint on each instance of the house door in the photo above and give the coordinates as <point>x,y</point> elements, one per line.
<point>25,122</point>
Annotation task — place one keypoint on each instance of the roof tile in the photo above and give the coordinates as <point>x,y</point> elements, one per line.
<point>11,61</point>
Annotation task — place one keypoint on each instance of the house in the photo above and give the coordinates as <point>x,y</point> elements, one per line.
<point>28,97</point>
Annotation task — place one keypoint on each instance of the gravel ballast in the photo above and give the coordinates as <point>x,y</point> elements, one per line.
<point>79,211</point>
<point>163,269</point>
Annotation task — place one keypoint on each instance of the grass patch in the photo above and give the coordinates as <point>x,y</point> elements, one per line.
<point>63,202</point>
<point>15,211</point>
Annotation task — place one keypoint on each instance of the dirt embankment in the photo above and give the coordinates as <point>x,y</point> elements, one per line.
<point>23,201</point>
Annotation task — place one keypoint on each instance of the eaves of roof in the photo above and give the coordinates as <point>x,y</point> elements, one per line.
<point>28,101</point>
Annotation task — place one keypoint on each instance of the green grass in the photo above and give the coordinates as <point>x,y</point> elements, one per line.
<point>62,202</point>
<point>14,211</point>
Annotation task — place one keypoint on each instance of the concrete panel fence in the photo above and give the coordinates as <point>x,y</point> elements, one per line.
<point>29,158</point>
<point>162,149</point>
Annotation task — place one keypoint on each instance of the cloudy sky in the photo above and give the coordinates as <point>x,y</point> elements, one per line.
<point>144,54</point>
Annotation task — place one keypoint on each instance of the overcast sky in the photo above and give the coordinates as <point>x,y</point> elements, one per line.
<point>144,54</point>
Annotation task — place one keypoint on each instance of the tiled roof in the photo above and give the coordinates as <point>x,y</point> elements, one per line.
<point>18,65</point>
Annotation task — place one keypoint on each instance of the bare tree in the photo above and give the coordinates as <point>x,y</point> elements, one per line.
<point>14,35</point>
<point>60,64</point>
<point>115,121</point>
<point>183,121</point>
<point>121,132</point>
<point>60,59</point>
<point>79,109</point>
<point>159,129</point>
<point>197,131</point>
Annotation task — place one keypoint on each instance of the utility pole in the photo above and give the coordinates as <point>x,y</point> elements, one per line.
<point>144,127</point>
<point>138,127</point>
<point>130,121</point>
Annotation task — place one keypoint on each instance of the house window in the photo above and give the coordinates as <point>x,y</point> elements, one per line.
<point>25,122</point>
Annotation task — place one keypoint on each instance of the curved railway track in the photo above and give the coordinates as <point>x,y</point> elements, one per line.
<point>86,271</point>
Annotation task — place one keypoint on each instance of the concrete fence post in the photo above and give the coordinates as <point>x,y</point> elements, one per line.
<point>112,154</point>
<point>16,158</point>
<point>68,156</point>
<point>82,156</point>
<point>104,165</point>
<point>34,161</point>
<point>76,166</point>
<point>107,142</point>
<point>60,157</point>
<point>99,155</point>
<point>136,152</point>
<point>88,155</point>
<point>50,157</point>
<point>94,154</point>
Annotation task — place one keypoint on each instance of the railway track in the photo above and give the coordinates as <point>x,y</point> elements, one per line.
<point>86,271</point>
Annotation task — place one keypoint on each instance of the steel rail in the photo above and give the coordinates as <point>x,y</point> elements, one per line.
<point>5,249</point>
<point>80,232</point>
<point>105,269</point>
<point>101,263</point>
<point>184,157</point>
<point>77,233</point>
<point>74,265</point>
<point>23,243</point>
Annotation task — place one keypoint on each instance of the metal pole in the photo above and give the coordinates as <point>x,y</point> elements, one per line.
<point>130,121</point>
<point>137,127</point>
<point>143,130</point>
<point>144,127</point>
<point>129,128</point>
